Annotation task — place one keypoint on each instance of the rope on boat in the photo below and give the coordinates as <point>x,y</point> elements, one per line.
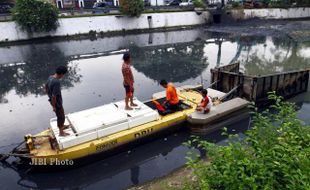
<point>13,144</point>
<point>3,157</point>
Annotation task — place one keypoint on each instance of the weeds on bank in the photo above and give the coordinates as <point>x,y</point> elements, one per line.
<point>275,154</point>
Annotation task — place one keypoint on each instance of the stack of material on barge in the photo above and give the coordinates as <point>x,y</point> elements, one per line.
<point>230,80</point>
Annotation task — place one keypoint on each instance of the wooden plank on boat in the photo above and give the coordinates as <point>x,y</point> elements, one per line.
<point>211,92</point>
<point>218,111</point>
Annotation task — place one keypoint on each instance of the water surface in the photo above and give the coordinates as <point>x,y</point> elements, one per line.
<point>94,78</point>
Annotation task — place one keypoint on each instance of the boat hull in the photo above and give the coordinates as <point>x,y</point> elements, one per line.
<point>43,153</point>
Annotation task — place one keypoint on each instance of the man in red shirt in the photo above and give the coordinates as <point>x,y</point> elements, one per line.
<point>128,81</point>
<point>206,102</point>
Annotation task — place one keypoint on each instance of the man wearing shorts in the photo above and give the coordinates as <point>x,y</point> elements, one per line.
<point>128,81</point>
<point>53,90</point>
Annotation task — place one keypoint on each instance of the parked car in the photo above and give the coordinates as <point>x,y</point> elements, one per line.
<point>174,3</point>
<point>6,7</point>
<point>186,3</point>
<point>100,7</point>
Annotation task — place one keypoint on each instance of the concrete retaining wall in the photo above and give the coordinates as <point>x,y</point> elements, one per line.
<point>9,31</point>
<point>272,13</point>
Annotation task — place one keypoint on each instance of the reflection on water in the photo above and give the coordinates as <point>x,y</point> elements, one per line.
<point>94,78</point>
<point>29,77</point>
<point>170,61</point>
<point>274,55</point>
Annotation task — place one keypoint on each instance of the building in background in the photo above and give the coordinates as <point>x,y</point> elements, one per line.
<point>69,4</point>
<point>157,2</point>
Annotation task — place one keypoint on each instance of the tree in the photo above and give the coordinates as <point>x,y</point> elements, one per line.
<point>132,7</point>
<point>35,16</point>
<point>199,3</point>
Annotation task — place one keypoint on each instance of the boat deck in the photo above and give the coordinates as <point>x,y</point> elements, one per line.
<point>101,121</point>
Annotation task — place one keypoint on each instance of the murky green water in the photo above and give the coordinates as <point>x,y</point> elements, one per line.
<point>182,57</point>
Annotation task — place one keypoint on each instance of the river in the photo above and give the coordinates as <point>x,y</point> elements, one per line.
<point>94,78</point>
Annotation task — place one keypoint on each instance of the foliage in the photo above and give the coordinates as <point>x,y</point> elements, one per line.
<point>235,4</point>
<point>199,3</point>
<point>35,15</point>
<point>132,7</point>
<point>275,154</point>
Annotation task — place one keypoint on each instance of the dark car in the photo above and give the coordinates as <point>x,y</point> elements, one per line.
<point>101,7</point>
<point>174,3</point>
<point>6,7</point>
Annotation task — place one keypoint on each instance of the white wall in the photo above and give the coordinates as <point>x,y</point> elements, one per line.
<point>274,13</point>
<point>9,31</point>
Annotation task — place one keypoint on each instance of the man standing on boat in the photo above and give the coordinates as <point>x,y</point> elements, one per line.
<point>53,90</point>
<point>172,99</point>
<point>128,81</point>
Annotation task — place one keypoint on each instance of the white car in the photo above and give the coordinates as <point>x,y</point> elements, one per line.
<point>186,3</point>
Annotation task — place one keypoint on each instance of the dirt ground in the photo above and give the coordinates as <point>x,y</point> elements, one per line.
<point>171,181</point>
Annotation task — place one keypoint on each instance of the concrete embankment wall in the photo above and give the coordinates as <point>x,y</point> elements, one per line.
<point>272,13</point>
<point>9,31</point>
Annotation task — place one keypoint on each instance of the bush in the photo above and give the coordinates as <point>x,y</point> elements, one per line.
<point>132,7</point>
<point>235,4</point>
<point>275,154</point>
<point>199,3</point>
<point>35,15</point>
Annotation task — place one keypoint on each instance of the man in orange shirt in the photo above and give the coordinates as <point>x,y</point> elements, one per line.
<point>172,99</point>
